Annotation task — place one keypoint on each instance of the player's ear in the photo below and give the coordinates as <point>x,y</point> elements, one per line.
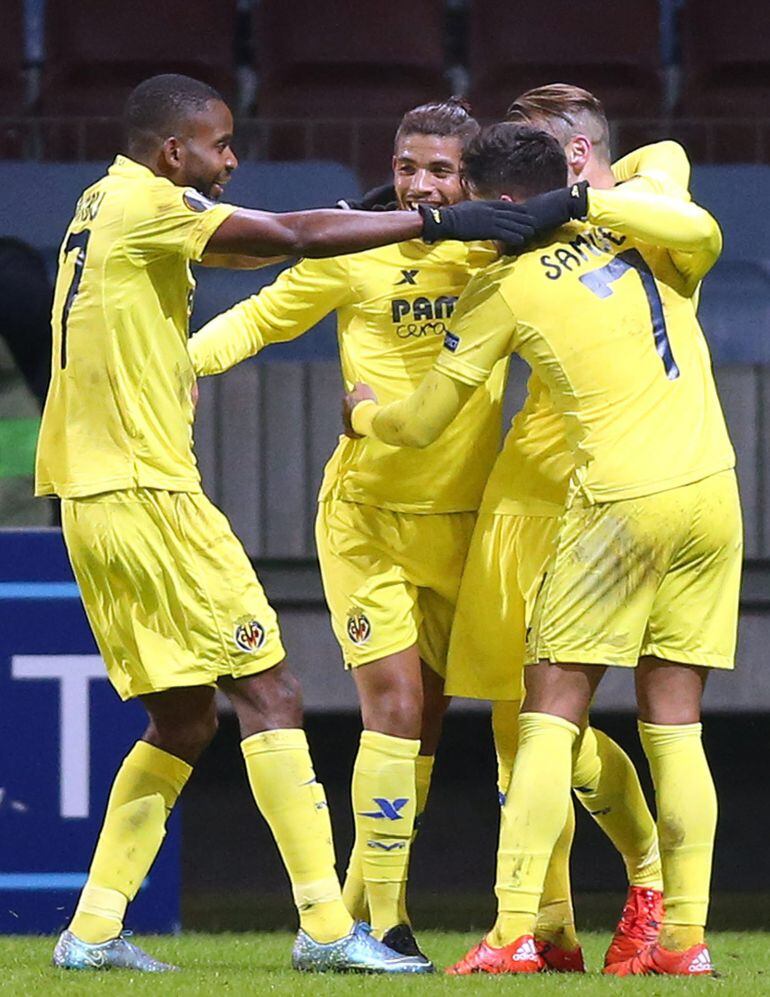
<point>171,152</point>
<point>578,152</point>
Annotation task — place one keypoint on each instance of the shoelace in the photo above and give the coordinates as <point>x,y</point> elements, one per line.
<point>639,915</point>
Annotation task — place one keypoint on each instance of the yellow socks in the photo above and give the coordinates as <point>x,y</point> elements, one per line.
<point>687,815</point>
<point>556,916</point>
<point>505,731</point>
<point>423,773</point>
<point>534,815</point>
<point>353,890</point>
<point>145,789</point>
<point>283,782</point>
<point>607,785</point>
<point>384,807</point>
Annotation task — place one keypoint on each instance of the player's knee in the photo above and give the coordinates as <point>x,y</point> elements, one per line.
<point>396,711</point>
<point>186,739</point>
<point>270,700</point>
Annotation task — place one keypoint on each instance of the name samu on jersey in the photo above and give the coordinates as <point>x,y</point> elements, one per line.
<point>608,324</point>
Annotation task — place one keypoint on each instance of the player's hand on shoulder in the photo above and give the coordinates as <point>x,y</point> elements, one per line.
<point>360,393</point>
<point>468,221</point>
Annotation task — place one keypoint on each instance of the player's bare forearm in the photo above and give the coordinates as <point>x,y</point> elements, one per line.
<point>327,232</point>
<point>415,421</point>
<point>334,233</point>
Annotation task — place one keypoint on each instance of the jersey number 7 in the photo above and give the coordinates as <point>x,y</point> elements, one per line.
<point>599,282</point>
<point>79,241</point>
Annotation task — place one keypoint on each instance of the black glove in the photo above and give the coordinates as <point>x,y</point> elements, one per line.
<point>557,207</point>
<point>502,221</point>
<point>377,199</point>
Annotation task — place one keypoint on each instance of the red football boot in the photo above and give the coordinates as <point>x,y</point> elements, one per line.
<point>559,960</point>
<point>639,924</point>
<point>657,961</point>
<point>520,956</point>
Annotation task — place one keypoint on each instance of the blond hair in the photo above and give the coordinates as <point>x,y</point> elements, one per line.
<point>565,111</point>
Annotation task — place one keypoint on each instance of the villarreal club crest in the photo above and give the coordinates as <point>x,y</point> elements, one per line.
<point>249,634</point>
<point>359,627</point>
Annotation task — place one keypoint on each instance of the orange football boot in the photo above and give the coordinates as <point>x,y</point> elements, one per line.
<point>558,960</point>
<point>520,956</point>
<point>657,961</point>
<point>639,924</point>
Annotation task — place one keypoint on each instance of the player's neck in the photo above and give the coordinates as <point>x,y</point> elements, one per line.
<point>598,175</point>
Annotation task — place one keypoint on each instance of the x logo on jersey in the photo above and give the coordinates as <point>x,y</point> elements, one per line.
<point>410,277</point>
<point>389,809</point>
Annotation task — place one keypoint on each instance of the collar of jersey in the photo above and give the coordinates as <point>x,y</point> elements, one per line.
<point>125,167</point>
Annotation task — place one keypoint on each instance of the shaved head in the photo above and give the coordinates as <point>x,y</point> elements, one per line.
<point>161,106</point>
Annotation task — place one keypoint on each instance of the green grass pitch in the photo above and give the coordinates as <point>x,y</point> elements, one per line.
<point>255,964</point>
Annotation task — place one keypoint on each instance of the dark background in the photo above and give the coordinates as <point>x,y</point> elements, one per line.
<point>233,880</point>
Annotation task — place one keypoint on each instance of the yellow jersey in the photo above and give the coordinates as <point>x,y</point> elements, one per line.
<point>119,413</point>
<point>608,324</point>
<point>393,307</point>
<point>533,469</point>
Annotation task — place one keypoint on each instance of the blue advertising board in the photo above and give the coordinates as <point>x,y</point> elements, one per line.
<point>63,734</point>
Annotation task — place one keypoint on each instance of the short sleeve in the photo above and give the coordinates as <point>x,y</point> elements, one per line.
<point>482,331</point>
<point>174,220</point>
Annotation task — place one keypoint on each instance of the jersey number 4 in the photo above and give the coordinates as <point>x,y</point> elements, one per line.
<point>79,241</point>
<point>599,282</point>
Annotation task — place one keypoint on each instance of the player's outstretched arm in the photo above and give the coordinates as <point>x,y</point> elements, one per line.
<point>415,421</point>
<point>284,310</point>
<point>330,232</point>
<point>688,231</point>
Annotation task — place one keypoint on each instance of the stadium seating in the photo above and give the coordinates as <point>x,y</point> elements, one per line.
<point>608,47</point>
<point>726,58</point>
<point>12,97</point>
<point>327,61</point>
<point>97,50</point>
<point>726,75</point>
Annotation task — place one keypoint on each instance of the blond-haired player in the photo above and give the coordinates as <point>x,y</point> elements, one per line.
<point>170,594</point>
<point>645,567</point>
<point>517,523</point>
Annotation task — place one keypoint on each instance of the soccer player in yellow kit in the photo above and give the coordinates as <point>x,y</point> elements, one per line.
<point>517,523</point>
<point>393,527</point>
<point>645,568</point>
<point>173,601</point>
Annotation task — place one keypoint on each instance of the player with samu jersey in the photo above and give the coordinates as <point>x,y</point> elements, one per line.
<point>515,530</point>
<point>393,526</point>
<point>645,568</point>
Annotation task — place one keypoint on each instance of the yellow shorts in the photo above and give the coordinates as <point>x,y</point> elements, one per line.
<point>502,575</point>
<point>657,575</point>
<point>391,579</point>
<point>169,592</point>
